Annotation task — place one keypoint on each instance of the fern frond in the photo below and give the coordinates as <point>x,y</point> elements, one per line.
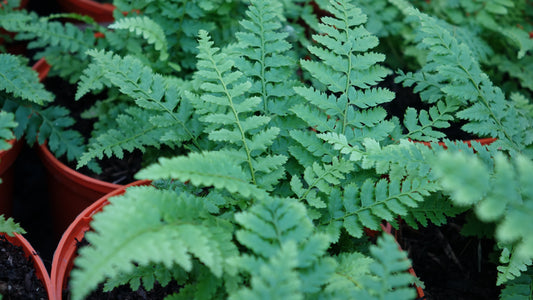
<point>519,288</point>
<point>148,29</point>
<point>454,72</point>
<point>47,124</point>
<point>163,114</point>
<point>55,121</point>
<point>435,209</point>
<point>163,217</point>
<point>272,225</point>
<point>383,275</point>
<point>320,179</point>
<point>219,169</point>
<point>131,132</point>
<point>421,127</point>
<point>19,80</point>
<point>9,227</point>
<point>65,36</point>
<point>511,265</point>
<point>347,70</point>
<point>346,282</point>
<point>276,278</point>
<point>230,113</point>
<point>390,269</point>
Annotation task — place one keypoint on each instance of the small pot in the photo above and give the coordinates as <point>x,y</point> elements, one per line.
<point>7,158</point>
<point>64,255</point>
<point>100,12</point>
<point>40,269</point>
<point>70,191</point>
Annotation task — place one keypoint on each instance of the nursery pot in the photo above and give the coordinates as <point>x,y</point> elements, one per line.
<point>40,269</point>
<point>100,12</point>
<point>64,255</point>
<point>7,158</point>
<point>70,191</point>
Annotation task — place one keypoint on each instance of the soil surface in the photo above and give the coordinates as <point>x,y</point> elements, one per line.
<point>451,265</point>
<point>114,170</point>
<point>17,274</point>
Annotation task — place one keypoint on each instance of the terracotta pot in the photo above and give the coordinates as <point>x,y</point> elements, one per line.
<point>40,269</point>
<point>70,191</point>
<point>65,253</point>
<point>7,158</point>
<point>100,12</point>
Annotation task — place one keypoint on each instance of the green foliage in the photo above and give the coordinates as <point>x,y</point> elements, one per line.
<point>22,95</point>
<point>9,226</point>
<point>499,193</point>
<point>145,27</point>
<point>271,210</point>
<point>20,81</point>
<point>7,123</point>
<point>383,277</point>
<point>519,288</point>
<point>174,228</point>
<point>279,167</point>
<point>346,104</point>
<point>158,117</point>
<point>452,74</point>
<point>180,21</point>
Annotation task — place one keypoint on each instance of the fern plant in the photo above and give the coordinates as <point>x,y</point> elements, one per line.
<point>25,98</point>
<point>256,217</point>
<point>454,83</point>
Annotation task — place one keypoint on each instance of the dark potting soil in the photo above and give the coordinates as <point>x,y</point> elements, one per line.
<point>451,265</point>
<point>114,170</point>
<point>124,292</point>
<point>17,274</point>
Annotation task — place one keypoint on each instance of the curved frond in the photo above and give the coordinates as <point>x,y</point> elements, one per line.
<point>118,244</point>
<point>148,29</point>
<point>19,80</point>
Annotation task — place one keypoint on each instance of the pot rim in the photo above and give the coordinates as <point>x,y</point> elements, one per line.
<point>64,255</point>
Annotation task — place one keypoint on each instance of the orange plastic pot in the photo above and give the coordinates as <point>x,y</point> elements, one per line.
<point>40,269</point>
<point>42,67</point>
<point>7,158</point>
<point>65,253</point>
<point>100,12</point>
<point>484,142</point>
<point>70,191</point>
